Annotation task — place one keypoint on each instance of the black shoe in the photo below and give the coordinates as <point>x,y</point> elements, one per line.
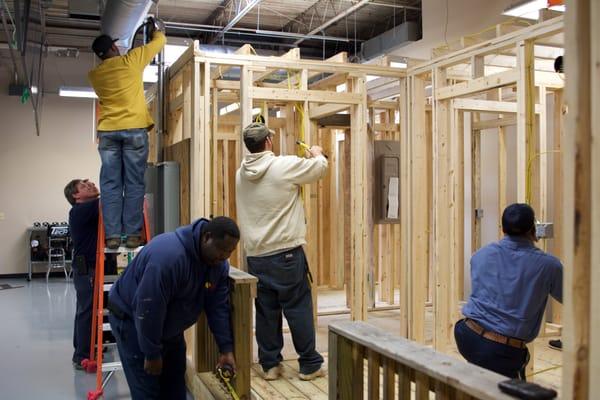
<point>555,344</point>
<point>113,243</point>
<point>133,242</point>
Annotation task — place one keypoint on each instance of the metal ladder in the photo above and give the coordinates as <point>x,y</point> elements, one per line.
<point>102,285</point>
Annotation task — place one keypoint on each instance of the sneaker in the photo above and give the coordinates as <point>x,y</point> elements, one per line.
<point>133,241</point>
<point>555,344</point>
<point>314,375</point>
<point>77,366</point>
<point>272,374</point>
<point>113,243</point>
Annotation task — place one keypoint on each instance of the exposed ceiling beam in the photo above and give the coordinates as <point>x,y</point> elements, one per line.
<point>335,19</point>
<point>241,14</point>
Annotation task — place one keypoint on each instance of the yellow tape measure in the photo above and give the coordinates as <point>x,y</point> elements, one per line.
<point>226,375</point>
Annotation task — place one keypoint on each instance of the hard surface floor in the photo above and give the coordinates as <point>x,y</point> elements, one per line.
<point>36,331</point>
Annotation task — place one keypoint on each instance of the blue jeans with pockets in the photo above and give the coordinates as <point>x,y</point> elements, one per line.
<point>124,155</point>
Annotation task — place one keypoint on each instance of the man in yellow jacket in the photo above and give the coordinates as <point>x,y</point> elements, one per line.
<point>123,135</point>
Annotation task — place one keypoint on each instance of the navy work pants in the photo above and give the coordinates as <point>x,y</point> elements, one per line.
<point>82,329</point>
<point>170,385</point>
<point>501,358</point>
<point>283,286</point>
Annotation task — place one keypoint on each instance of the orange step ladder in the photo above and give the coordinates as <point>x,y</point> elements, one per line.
<point>98,324</point>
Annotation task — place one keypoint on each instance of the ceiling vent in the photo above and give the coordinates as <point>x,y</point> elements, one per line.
<point>399,36</point>
<point>87,9</point>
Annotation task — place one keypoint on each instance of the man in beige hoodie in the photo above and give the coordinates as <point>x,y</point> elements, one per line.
<point>273,227</point>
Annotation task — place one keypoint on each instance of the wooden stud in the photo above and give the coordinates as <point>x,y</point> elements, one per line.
<point>525,115</point>
<point>443,236</point>
<point>374,375</point>
<point>580,222</point>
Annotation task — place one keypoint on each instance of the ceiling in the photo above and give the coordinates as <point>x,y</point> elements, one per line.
<point>274,25</point>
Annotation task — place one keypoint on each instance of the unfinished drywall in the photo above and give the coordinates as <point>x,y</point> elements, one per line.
<point>34,170</point>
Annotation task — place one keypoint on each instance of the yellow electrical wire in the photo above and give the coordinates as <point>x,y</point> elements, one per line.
<point>528,177</point>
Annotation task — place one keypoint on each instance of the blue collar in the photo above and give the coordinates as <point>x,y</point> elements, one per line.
<point>516,241</point>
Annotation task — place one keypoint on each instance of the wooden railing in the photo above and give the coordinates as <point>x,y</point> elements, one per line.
<point>242,294</point>
<point>403,362</point>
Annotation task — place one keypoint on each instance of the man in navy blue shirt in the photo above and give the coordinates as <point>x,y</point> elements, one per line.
<point>511,280</point>
<point>83,225</point>
<point>162,292</point>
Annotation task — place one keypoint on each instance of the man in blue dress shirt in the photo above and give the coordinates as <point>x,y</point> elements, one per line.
<point>511,280</point>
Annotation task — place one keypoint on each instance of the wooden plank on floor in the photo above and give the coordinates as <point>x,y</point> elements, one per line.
<point>263,388</point>
<point>309,389</point>
<point>282,386</point>
<point>321,382</point>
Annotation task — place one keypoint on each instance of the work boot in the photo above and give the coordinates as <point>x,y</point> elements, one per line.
<point>133,241</point>
<point>78,366</point>
<point>555,344</point>
<point>272,374</point>
<point>314,375</point>
<point>113,243</point>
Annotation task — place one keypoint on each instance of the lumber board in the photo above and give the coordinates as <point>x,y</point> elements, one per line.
<point>477,85</point>
<point>475,381</point>
<point>525,115</point>
<point>491,106</point>
<point>494,123</point>
<point>322,96</point>
<point>579,228</point>
<point>537,31</point>
<point>321,111</point>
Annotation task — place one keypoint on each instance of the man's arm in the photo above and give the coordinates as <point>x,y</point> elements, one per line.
<point>141,56</point>
<point>150,308</point>
<point>218,312</point>
<point>301,171</point>
<point>556,281</point>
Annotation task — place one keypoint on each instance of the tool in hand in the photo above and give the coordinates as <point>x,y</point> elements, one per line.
<point>226,374</point>
<point>307,147</point>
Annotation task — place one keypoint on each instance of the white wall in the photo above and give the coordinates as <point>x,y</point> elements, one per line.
<point>34,170</point>
<point>465,17</point>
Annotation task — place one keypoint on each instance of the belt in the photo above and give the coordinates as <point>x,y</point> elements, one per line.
<point>493,336</point>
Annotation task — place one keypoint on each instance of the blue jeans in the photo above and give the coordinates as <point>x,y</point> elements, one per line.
<point>283,286</point>
<point>170,385</point>
<point>501,358</point>
<point>124,155</point>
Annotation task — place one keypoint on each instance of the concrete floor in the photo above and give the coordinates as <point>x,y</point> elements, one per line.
<point>36,332</point>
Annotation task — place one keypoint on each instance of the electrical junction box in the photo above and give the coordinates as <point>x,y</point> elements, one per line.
<point>544,230</point>
<point>386,196</point>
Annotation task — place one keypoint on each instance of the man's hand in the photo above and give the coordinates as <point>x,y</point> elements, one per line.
<point>226,359</point>
<point>153,367</point>
<point>316,151</point>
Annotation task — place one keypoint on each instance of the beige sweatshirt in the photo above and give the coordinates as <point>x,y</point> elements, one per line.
<point>269,206</point>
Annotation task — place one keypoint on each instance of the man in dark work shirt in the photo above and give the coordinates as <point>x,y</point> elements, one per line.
<point>83,195</point>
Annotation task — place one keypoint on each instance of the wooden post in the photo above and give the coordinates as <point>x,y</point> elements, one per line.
<point>457,148</point>
<point>443,235</point>
<point>580,235</point>
<point>361,222</point>
<point>525,116</point>
<point>420,215</point>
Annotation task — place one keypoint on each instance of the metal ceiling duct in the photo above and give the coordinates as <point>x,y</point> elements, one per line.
<point>121,18</point>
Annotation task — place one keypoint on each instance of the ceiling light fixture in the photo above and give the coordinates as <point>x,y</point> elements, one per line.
<point>530,9</point>
<point>84,92</point>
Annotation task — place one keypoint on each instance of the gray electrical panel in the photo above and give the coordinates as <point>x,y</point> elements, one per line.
<point>386,199</point>
<point>162,196</point>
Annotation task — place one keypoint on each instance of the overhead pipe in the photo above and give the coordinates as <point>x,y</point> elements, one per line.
<point>121,19</point>
<point>236,19</point>
<point>335,19</point>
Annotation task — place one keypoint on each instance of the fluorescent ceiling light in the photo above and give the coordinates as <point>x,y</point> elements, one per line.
<point>84,92</point>
<point>529,9</point>
<point>395,64</point>
<point>34,89</point>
